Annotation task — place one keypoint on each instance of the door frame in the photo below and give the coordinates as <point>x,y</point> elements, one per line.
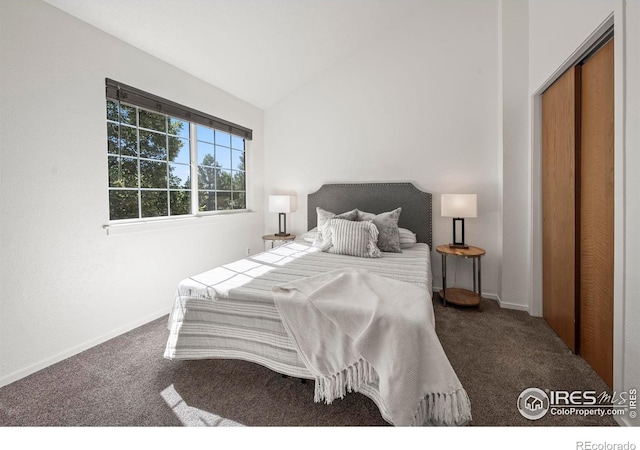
<point>536,176</point>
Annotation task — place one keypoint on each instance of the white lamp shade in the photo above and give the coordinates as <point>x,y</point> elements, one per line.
<point>459,205</point>
<point>280,203</point>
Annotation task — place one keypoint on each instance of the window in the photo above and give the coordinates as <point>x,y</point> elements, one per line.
<point>221,170</point>
<point>166,160</point>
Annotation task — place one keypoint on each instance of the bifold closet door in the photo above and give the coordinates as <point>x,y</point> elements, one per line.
<point>596,212</point>
<point>560,141</point>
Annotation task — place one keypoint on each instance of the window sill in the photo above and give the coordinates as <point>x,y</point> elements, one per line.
<point>115,228</point>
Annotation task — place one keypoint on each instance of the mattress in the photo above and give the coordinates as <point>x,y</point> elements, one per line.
<point>229,312</point>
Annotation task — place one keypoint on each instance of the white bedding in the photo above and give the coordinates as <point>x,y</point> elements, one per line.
<point>229,311</point>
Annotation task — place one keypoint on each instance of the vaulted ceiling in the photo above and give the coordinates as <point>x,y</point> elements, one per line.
<point>257,50</point>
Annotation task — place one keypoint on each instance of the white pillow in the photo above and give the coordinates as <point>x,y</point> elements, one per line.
<point>407,238</point>
<point>347,237</point>
<point>310,236</point>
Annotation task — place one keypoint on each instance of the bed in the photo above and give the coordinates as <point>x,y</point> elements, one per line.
<point>230,312</point>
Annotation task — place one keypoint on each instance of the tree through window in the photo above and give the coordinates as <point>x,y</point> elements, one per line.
<point>152,158</point>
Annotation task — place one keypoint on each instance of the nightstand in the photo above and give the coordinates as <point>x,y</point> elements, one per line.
<point>280,239</point>
<point>459,296</point>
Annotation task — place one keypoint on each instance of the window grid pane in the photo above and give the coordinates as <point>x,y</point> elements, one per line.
<point>179,203</point>
<point>206,201</point>
<point>150,157</point>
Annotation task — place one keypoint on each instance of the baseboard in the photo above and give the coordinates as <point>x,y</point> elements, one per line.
<point>22,373</point>
<point>497,298</point>
<point>515,306</point>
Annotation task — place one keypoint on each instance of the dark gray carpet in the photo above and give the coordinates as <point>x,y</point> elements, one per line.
<point>497,353</point>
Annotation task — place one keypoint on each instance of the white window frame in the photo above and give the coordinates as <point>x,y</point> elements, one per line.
<point>193,163</point>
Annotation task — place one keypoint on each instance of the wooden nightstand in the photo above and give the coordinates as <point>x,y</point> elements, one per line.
<point>281,239</point>
<point>459,296</point>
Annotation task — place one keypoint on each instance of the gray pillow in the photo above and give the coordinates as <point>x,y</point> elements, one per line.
<point>387,225</point>
<point>352,238</point>
<point>324,216</point>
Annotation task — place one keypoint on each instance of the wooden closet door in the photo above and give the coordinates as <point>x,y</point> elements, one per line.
<point>596,213</point>
<point>560,122</point>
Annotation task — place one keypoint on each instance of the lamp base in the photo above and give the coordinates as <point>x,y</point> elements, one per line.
<point>282,225</point>
<point>458,243</point>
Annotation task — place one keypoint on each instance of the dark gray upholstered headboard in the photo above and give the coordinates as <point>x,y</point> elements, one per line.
<point>376,198</point>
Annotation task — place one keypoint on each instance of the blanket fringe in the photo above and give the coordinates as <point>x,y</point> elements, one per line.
<point>444,409</point>
<point>347,380</point>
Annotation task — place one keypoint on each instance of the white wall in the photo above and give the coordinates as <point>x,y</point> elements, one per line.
<point>420,104</point>
<point>516,160</point>
<point>65,283</point>
<point>556,31</point>
<point>557,28</point>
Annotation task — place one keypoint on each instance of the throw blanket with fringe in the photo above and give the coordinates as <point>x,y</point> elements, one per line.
<point>352,327</point>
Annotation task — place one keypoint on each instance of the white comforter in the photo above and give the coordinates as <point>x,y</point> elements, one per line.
<point>351,326</point>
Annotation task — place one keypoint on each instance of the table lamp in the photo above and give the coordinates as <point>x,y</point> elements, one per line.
<point>459,206</point>
<point>281,204</point>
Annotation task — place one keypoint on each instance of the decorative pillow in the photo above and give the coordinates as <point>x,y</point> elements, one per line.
<point>407,238</point>
<point>324,217</point>
<point>364,215</point>
<point>387,225</point>
<point>348,237</point>
<point>323,237</point>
